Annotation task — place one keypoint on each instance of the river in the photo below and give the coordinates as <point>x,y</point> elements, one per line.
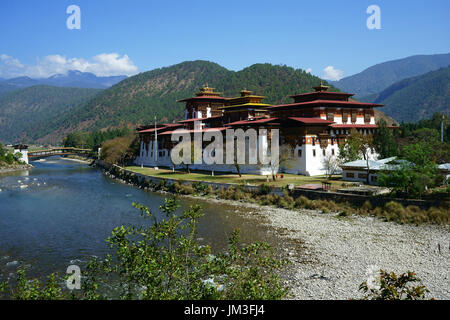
<point>61,211</point>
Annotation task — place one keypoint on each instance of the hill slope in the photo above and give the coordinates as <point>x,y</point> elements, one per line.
<point>29,113</point>
<point>378,77</point>
<point>416,98</point>
<point>138,99</point>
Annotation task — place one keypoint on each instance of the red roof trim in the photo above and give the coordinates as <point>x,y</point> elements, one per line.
<point>198,119</point>
<point>254,121</point>
<point>312,120</point>
<point>194,131</point>
<point>164,127</point>
<point>204,97</point>
<point>321,92</point>
<point>368,126</point>
<point>300,104</point>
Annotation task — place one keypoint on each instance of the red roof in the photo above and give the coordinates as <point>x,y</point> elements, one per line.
<point>311,120</point>
<point>164,127</point>
<point>334,102</point>
<point>198,119</point>
<point>252,121</point>
<point>204,97</point>
<point>194,131</point>
<point>367,126</point>
<point>323,92</point>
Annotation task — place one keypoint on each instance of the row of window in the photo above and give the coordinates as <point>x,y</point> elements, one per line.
<point>360,176</point>
<point>299,152</point>
<point>367,116</point>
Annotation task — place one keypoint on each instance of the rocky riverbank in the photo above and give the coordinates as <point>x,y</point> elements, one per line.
<point>331,255</point>
<point>15,167</point>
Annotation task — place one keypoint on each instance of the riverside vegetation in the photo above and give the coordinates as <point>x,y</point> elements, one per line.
<point>8,158</point>
<point>165,261</point>
<point>391,211</point>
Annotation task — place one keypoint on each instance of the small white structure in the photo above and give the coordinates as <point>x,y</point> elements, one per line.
<point>23,149</point>
<point>357,170</point>
<point>445,170</point>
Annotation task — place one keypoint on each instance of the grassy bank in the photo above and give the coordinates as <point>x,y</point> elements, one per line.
<point>281,181</point>
<point>391,211</point>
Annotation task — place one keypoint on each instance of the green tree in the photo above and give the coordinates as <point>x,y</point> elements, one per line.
<point>384,142</point>
<point>120,150</point>
<point>357,146</point>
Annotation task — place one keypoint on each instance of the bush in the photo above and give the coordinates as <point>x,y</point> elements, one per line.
<point>264,189</point>
<point>303,202</point>
<point>199,187</point>
<point>165,261</point>
<point>367,206</point>
<point>389,286</point>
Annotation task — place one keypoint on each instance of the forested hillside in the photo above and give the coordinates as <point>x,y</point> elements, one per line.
<point>33,112</point>
<point>416,98</point>
<point>138,99</point>
<point>47,114</point>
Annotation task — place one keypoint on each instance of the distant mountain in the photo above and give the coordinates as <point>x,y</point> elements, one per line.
<point>378,77</point>
<point>71,79</point>
<point>416,98</point>
<point>82,80</point>
<point>28,113</point>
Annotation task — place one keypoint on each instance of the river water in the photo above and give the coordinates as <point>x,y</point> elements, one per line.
<point>60,213</point>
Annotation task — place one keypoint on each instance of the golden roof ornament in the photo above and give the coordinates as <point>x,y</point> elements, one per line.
<point>207,91</point>
<point>321,87</point>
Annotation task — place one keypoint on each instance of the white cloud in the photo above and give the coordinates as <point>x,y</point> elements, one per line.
<point>330,73</point>
<point>308,70</point>
<point>105,64</point>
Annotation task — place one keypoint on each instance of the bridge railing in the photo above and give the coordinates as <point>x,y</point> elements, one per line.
<point>58,151</point>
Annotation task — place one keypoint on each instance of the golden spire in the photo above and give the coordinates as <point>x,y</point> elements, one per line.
<point>321,87</point>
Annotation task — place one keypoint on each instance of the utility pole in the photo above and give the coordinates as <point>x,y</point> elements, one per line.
<point>156,147</point>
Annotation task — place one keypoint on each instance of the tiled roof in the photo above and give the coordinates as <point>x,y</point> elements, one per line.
<point>198,119</point>
<point>252,121</point>
<point>194,131</point>
<point>311,120</point>
<point>382,164</point>
<point>332,102</point>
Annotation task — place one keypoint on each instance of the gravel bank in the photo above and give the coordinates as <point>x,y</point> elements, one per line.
<point>331,254</point>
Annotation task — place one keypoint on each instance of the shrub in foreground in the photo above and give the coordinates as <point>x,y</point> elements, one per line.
<point>165,261</point>
<point>389,286</point>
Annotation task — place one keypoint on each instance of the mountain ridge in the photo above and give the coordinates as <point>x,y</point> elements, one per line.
<point>378,77</point>
<point>73,78</point>
<point>418,97</point>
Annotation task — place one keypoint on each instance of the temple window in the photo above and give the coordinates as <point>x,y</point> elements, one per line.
<point>330,116</point>
<point>344,117</point>
<point>314,153</point>
<point>299,152</point>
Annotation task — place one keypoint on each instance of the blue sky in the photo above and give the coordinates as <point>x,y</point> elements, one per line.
<point>329,37</point>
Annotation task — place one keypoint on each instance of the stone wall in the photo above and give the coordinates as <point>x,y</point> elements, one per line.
<point>355,199</point>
